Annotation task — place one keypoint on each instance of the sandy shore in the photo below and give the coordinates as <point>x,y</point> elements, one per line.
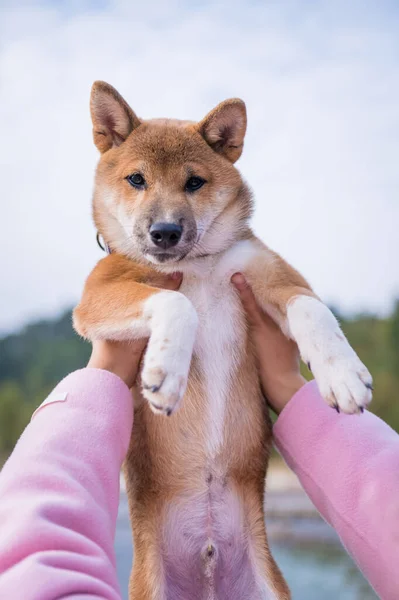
<point>285,496</point>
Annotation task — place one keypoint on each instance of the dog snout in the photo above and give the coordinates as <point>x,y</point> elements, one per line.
<point>165,235</point>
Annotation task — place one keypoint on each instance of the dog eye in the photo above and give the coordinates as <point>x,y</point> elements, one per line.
<point>136,180</point>
<point>194,183</point>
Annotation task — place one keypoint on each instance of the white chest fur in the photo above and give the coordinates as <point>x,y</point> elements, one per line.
<point>220,335</point>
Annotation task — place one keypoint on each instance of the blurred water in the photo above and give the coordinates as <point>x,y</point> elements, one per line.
<point>314,570</point>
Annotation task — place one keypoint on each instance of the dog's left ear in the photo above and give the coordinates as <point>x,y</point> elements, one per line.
<point>113,119</point>
<point>224,128</point>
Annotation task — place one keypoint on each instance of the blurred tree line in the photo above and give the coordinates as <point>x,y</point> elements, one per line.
<point>35,359</point>
<point>31,364</point>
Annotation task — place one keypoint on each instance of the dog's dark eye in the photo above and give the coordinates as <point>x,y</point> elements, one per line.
<point>136,180</point>
<point>194,183</point>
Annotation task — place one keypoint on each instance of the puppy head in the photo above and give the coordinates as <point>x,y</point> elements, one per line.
<point>167,190</point>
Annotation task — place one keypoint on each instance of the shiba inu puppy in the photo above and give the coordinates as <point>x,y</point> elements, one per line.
<point>168,198</point>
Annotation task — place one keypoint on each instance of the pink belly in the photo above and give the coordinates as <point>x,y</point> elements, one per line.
<point>205,548</point>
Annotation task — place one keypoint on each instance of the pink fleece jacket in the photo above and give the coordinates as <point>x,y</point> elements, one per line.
<point>59,490</point>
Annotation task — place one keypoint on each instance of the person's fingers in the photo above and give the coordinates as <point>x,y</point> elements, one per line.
<point>247,297</point>
<point>169,282</point>
<point>255,314</point>
<point>173,281</point>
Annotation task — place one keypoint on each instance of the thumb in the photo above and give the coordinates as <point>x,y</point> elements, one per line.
<point>170,282</point>
<point>247,297</point>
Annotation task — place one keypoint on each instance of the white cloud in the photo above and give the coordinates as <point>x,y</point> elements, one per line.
<point>321,83</point>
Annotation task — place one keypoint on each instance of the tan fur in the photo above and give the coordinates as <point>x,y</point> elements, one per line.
<point>275,282</point>
<point>168,458</point>
<point>114,277</point>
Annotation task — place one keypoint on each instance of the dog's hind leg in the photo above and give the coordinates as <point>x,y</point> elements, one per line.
<point>146,581</point>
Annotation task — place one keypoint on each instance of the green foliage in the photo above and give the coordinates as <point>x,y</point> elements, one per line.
<point>31,364</point>
<point>14,414</point>
<point>377,343</point>
<point>34,360</point>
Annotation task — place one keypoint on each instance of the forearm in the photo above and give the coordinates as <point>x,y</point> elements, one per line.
<point>59,493</point>
<point>349,466</point>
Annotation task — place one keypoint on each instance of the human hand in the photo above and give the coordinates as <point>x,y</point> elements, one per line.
<point>278,357</point>
<point>123,358</point>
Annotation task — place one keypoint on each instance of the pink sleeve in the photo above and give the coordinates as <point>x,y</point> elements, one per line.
<point>349,466</point>
<point>59,493</point>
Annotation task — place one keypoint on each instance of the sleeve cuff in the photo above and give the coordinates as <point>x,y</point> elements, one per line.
<point>296,409</point>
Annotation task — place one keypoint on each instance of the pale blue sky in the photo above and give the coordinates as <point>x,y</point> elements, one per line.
<point>321,83</point>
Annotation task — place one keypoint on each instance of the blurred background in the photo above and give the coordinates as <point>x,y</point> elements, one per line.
<point>321,84</point>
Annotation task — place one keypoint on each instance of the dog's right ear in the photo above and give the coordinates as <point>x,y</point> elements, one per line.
<point>113,119</point>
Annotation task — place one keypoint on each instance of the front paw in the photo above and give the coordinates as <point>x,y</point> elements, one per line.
<point>344,382</point>
<point>170,347</point>
<point>163,389</point>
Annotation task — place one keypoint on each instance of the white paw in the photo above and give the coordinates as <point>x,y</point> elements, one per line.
<point>167,359</point>
<point>163,390</point>
<point>344,382</point>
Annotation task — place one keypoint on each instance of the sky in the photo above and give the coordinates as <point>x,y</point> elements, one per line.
<point>321,83</point>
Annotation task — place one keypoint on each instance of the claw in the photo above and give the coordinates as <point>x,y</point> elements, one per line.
<point>152,388</point>
<point>361,408</point>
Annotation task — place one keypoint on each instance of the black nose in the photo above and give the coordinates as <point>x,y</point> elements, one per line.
<point>165,235</point>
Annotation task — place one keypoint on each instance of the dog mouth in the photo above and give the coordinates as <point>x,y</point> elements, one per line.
<point>164,257</point>
<point>176,255</point>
